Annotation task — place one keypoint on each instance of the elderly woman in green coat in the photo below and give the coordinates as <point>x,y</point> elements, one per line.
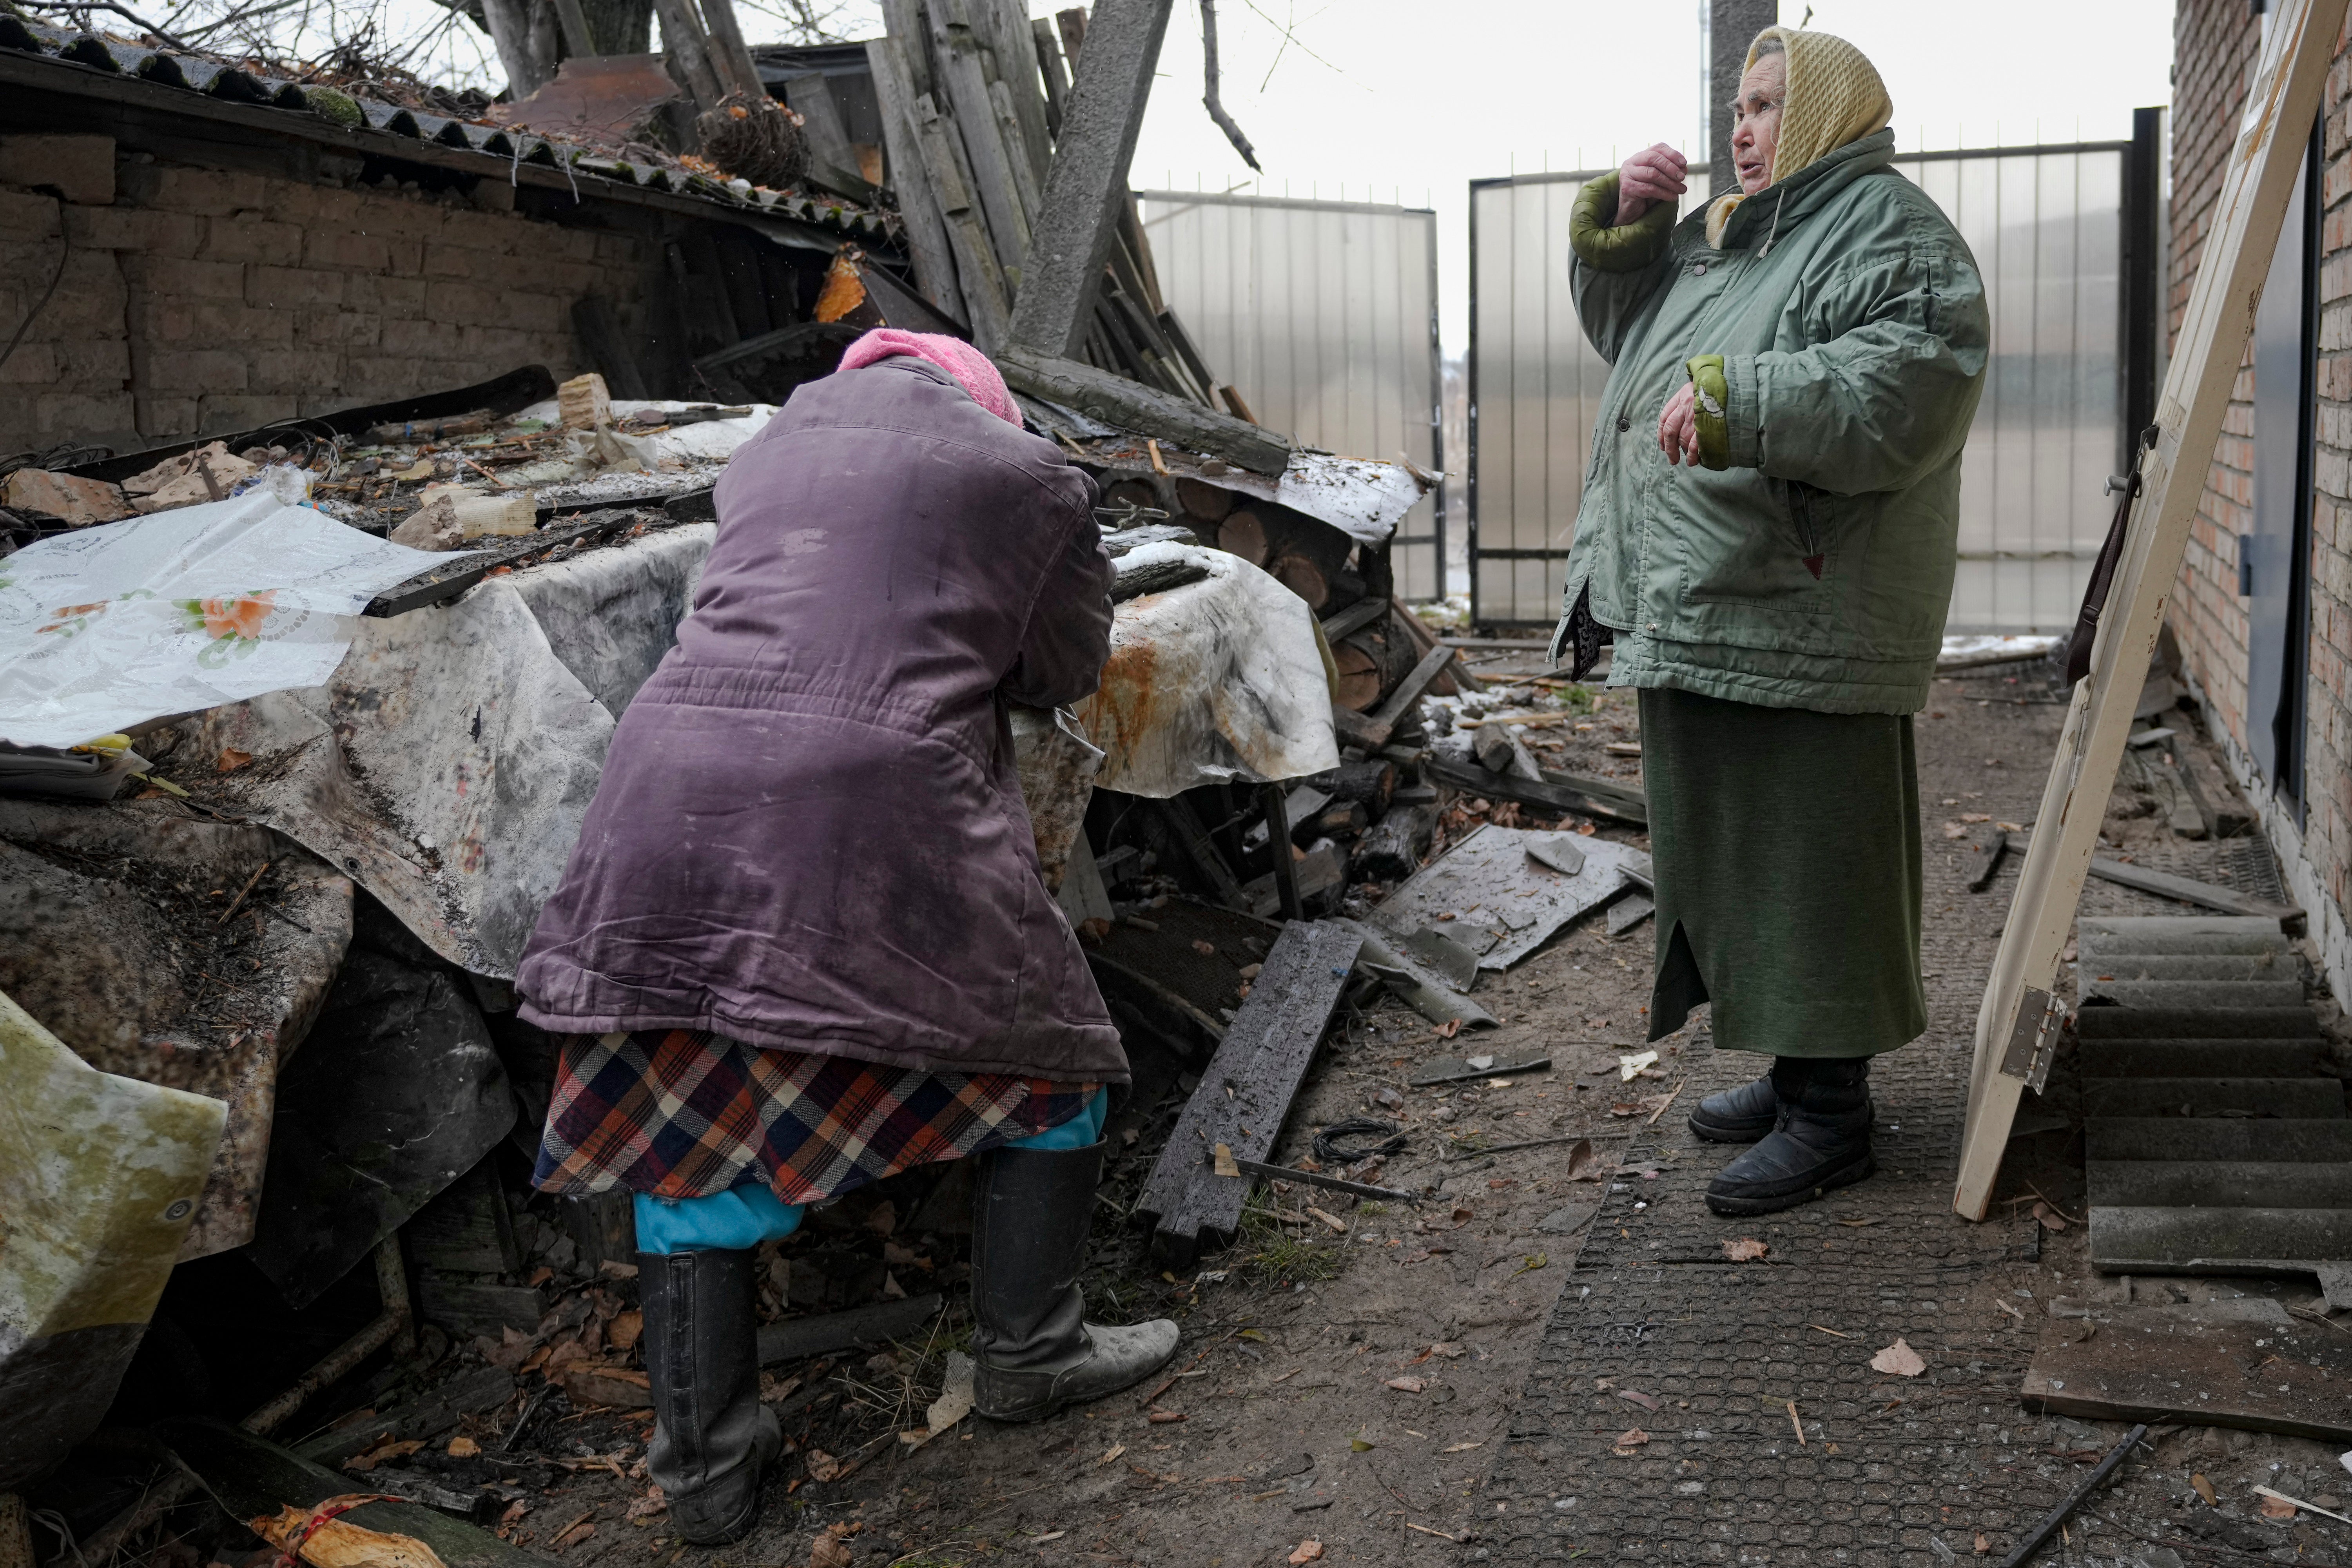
<point>1767,538</point>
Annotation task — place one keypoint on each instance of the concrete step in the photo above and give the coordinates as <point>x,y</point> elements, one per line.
<point>2217,1139</point>
<point>2289,1023</point>
<point>2205,1183</point>
<point>2204,1059</point>
<point>2107,945</point>
<point>2209,966</point>
<point>2312,1099</point>
<point>2153,1240</point>
<point>2194,992</point>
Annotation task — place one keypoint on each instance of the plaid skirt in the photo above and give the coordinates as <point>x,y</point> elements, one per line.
<point>680,1114</point>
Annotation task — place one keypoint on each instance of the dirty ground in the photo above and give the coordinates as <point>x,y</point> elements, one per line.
<point>1482,1376</point>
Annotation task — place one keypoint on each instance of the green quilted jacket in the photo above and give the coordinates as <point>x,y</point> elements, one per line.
<point>1838,342</point>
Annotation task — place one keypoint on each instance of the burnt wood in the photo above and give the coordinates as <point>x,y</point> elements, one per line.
<point>1262,1061</point>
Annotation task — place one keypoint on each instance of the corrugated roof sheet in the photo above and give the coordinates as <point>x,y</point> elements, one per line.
<point>361,117</point>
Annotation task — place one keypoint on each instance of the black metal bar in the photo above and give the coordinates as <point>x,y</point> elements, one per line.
<point>1284,1174</point>
<point>1278,844</point>
<point>2041,1534</point>
<point>1470,393</point>
<point>2142,310</point>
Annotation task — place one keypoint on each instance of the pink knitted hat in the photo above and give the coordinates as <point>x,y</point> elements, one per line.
<point>972,368</point>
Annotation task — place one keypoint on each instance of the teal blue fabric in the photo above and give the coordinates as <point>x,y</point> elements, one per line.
<point>742,1217</point>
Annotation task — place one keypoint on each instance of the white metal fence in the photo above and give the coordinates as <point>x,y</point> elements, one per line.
<point>2046,226</point>
<point>1324,316</point>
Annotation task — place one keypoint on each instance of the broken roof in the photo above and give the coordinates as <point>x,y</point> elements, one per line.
<point>137,76</point>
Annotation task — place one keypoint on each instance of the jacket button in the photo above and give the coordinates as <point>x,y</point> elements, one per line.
<point>1654,625</point>
<point>1624,423</point>
<point>1699,270</point>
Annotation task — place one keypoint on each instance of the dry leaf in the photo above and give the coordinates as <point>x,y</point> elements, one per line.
<point>822,1466</point>
<point>231,759</point>
<point>1447,1349</point>
<point>1745,1250</point>
<point>1629,1441</point>
<point>1983,1545</point>
<point>2205,1490</point>
<point>1165,1417</point>
<point>1584,1162</point>
<point>1898,1359</point>
<point>1405,1385</point>
<point>1225,1166</point>
<point>464,1449</point>
<point>2048,1217</point>
<point>625,1330</point>
<point>327,1541</point>
<point>1646,1401</point>
<point>1308,1550</point>
<point>1113,1452</point>
<point>654,1501</point>
<point>829,1551</point>
<point>2275,1508</point>
<point>379,1453</point>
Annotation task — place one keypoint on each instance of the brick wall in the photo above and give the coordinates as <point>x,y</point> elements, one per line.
<point>2214,42</point>
<point>199,300</point>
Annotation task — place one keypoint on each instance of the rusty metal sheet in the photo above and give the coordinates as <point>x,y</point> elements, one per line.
<point>110,937</point>
<point>595,97</point>
<point>1216,680</point>
<point>2240,1362</point>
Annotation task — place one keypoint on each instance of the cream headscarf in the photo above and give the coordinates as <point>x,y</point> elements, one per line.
<point>1833,96</point>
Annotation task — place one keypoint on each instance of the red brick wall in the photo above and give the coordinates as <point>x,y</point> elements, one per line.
<point>2213,48</point>
<point>200,299</point>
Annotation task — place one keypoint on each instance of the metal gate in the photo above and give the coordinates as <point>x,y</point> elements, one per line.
<point>1324,316</point>
<point>2068,279</point>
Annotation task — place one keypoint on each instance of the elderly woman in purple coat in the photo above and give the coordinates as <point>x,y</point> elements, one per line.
<point>803,943</point>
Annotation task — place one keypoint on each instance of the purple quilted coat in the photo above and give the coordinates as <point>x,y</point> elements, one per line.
<point>810,833</point>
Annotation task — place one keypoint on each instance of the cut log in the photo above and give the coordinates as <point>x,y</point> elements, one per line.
<point>1242,534</point>
<point>1369,783</point>
<point>799,1337</point>
<point>1245,1094</point>
<point>1203,500</point>
<point>1617,806</point>
<point>1392,850</point>
<point>1304,578</point>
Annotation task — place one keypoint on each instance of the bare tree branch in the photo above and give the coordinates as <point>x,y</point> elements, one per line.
<point>86,5</point>
<point>1209,97</point>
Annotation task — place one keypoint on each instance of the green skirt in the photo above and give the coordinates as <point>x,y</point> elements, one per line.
<point>1787,851</point>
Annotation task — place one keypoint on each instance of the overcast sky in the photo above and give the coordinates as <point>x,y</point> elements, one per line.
<point>1386,100</point>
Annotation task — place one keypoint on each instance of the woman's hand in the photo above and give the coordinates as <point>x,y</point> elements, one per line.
<point>1678,427</point>
<point>1652,175</point>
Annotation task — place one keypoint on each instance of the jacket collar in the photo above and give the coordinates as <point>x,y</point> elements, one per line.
<point>1791,199</point>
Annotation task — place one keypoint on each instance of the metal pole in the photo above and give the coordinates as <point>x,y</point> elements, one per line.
<point>1277,843</point>
<point>1732,27</point>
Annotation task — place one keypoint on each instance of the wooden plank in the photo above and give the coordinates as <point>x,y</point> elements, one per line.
<point>911,177</point>
<point>1134,406</point>
<point>1529,791</point>
<point>2230,902</point>
<point>1050,67</point>
<point>798,1338</point>
<point>961,91</point>
<point>683,41</point>
<point>1264,1056</point>
<point>731,57</point>
<point>987,305</point>
<point>1005,24</point>
<point>2197,1365</point>
<point>2267,154</point>
<point>1073,233</point>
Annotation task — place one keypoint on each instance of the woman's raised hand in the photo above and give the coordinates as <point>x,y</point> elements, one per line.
<point>1654,175</point>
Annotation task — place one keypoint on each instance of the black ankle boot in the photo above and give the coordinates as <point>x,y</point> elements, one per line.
<point>1822,1140</point>
<point>712,1437</point>
<point>1034,1350</point>
<point>1739,1115</point>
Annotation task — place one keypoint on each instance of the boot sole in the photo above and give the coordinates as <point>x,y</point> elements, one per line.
<point>1738,1207</point>
<point>1729,1132</point>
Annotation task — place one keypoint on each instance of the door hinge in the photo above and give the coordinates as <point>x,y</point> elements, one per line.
<point>2033,1042</point>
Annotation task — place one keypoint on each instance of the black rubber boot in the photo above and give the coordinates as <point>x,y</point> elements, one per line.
<point>1822,1140</point>
<point>1739,1115</point>
<point>712,1437</point>
<point>1034,1351</point>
